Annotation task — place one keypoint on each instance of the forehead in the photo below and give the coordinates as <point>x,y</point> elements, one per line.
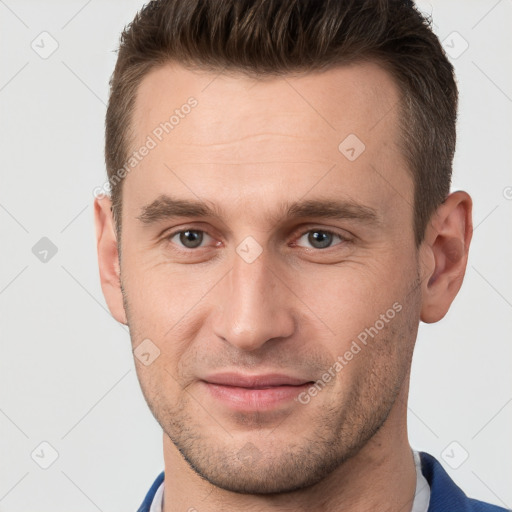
<point>253,137</point>
<point>347,99</point>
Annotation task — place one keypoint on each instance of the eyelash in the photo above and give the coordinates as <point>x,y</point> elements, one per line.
<point>343,239</point>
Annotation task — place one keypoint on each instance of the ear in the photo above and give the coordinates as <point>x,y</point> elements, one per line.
<point>445,248</point>
<point>108,258</point>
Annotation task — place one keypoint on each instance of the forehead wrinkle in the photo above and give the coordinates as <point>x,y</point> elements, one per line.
<point>268,137</point>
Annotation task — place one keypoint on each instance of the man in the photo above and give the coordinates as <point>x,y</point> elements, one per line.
<point>280,220</point>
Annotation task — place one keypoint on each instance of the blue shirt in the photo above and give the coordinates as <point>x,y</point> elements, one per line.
<point>445,495</point>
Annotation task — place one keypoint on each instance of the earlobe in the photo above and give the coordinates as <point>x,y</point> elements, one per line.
<point>447,241</point>
<point>108,258</point>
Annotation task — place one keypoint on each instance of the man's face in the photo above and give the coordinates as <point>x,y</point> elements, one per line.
<point>253,306</point>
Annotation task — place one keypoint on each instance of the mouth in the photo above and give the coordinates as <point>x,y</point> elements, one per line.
<point>254,392</point>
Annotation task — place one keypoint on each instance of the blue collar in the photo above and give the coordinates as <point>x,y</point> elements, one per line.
<point>445,495</point>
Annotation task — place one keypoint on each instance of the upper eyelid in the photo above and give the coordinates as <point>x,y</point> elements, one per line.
<point>172,234</point>
<point>325,230</point>
<point>344,239</point>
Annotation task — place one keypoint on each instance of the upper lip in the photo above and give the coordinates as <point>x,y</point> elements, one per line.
<point>254,381</point>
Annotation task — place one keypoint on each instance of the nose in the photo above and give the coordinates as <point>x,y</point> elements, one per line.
<point>255,305</point>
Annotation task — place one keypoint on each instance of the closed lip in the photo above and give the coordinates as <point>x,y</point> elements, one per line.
<point>260,381</point>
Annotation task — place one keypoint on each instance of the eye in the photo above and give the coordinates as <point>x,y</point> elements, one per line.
<point>188,238</point>
<point>194,238</point>
<point>321,238</point>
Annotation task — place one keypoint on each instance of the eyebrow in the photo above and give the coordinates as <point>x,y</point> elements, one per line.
<point>166,207</point>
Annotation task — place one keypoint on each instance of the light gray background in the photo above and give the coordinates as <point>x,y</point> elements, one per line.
<point>66,371</point>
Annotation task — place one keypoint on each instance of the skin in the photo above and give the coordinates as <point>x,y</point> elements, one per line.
<point>247,147</point>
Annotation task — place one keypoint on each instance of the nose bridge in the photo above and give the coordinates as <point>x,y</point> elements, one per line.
<point>254,307</point>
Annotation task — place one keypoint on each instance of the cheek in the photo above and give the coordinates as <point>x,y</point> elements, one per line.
<point>371,315</point>
<point>161,294</point>
<point>348,298</point>
<point>161,389</point>
<point>376,359</point>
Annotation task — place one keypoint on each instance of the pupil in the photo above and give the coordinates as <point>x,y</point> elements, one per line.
<point>191,239</point>
<point>322,241</point>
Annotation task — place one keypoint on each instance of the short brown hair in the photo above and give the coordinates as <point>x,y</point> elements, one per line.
<point>277,37</point>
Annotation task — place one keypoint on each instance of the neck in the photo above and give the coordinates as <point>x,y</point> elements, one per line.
<point>381,476</point>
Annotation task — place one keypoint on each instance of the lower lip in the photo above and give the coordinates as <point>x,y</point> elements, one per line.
<point>255,399</point>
